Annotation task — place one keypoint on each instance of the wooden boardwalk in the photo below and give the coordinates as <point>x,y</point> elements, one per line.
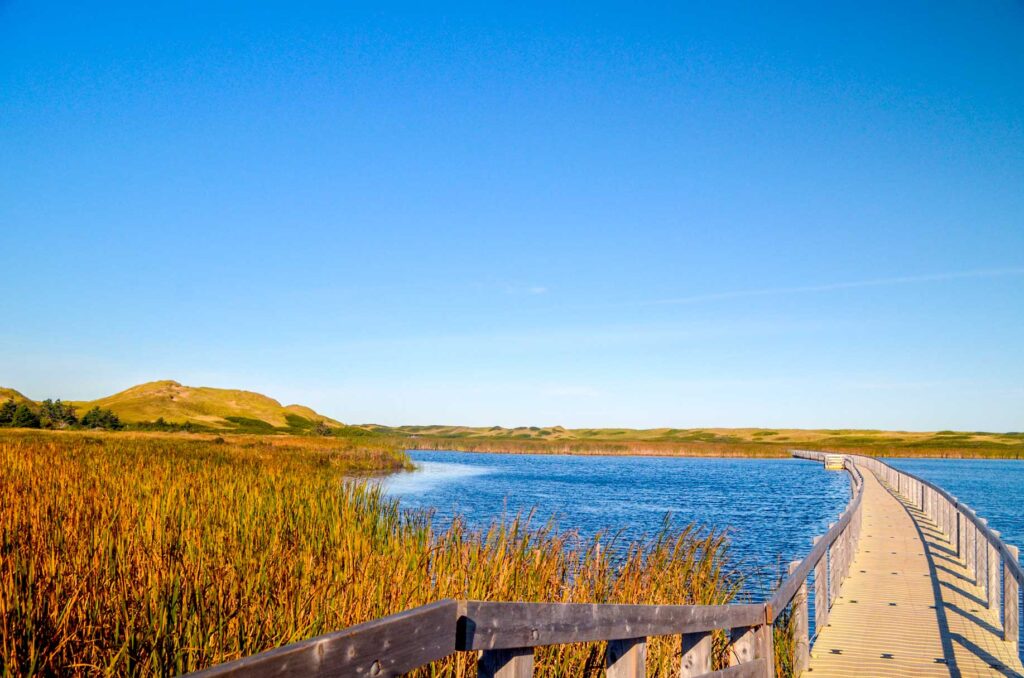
<point>911,605</point>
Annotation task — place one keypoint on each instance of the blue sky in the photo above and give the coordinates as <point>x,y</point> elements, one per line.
<point>718,214</point>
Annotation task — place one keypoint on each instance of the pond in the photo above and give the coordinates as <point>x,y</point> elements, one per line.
<point>771,507</point>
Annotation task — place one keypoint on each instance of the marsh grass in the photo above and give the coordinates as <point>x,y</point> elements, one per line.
<point>142,554</point>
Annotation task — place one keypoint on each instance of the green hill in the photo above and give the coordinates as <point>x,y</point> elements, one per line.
<point>10,394</point>
<point>212,408</point>
<point>205,406</point>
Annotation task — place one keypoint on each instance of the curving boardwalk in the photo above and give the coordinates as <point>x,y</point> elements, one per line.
<point>911,605</point>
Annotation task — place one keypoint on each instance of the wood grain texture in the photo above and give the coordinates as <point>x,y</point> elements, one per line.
<point>626,658</point>
<point>696,649</point>
<point>487,625</point>
<point>384,647</point>
<point>508,663</point>
<point>1011,602</point>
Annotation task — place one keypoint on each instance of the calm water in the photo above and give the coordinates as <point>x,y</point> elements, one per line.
<point>992,487</point>
<point>772,507</point>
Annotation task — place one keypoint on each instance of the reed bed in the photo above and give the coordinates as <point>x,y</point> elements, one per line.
<point>156,555</point>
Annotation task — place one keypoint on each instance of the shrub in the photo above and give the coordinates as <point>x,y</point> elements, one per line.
<point>25,418</point>
<point>7,412</point>
<point>100,418</point>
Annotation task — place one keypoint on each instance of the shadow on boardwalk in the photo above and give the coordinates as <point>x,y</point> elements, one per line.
<point>910,606</point>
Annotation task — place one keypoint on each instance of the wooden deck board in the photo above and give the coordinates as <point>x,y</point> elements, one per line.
<point>909,607</point>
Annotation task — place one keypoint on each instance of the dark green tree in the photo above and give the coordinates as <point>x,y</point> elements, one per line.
<point>97,418</point>
<point>7,412</point>
<point>25,418</point>
<point>322,429</point>
<point>56,414</point>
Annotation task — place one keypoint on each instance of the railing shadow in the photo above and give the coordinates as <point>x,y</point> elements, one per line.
<point>946,639</point>
<point>935,552</point>
<point>993,662</point>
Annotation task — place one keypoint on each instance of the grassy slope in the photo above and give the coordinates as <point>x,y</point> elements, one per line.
<point>215,408</point>
<point>10,394</point>
<point>200,405</point>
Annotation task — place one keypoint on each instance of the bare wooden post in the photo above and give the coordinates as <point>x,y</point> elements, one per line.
<point>960,537</point>
<point>743,645</point>
<point>517,663</point>
<point>951,523</point>
<point>765,648</point>
<point>833,571</point>
<point>971,549</point>
<point>820,591</point>
<point>697,649</point>
<point>945,521</point>
<point>626,658</point>
<point>993,574</point>
<point>979,556</point>
<point>801,640</point>
<point>1011,603</point>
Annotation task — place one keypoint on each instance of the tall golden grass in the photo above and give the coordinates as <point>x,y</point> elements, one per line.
<point>156,555</point>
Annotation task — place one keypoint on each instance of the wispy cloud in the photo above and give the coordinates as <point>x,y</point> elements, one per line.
<point>531,290</point>
<point>830,287</point>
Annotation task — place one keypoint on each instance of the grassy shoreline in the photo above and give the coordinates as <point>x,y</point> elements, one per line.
<point>668,449</point>
<point>141,554</point>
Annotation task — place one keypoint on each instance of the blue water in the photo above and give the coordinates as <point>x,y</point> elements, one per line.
<point>994,488</point>
<point>771,507</point>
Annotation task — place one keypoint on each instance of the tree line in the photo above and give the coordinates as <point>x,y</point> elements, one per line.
<point>56,414</point>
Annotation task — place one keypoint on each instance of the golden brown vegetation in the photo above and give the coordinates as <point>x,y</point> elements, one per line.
<point>134,554</point>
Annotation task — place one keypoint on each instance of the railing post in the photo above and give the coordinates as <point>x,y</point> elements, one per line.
<point>517,663</point>
<point>833,572</point>
<point>946,528</point>
<point>626,658</point>
<point>820,591</point>
<point>1011,604</point>
<point>742,645</point>
<point>753,642</point>
<point>765,635</point>
<point>959,536</point>
<point>801,640</point>
<point>979,556</point>
<point>971,548</point>
<point>697,648</point>
<point>993,573</point>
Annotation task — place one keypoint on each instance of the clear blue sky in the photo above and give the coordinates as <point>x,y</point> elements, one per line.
<point>593,215</point>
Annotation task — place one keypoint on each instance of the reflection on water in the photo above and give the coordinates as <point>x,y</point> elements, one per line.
<point>428,476</point>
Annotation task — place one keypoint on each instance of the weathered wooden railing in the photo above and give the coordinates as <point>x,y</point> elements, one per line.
<point>506,634</point>
<point>994,564</point>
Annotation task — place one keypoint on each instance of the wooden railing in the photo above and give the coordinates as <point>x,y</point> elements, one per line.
<point>994,564</point>
<point>506,634</point>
